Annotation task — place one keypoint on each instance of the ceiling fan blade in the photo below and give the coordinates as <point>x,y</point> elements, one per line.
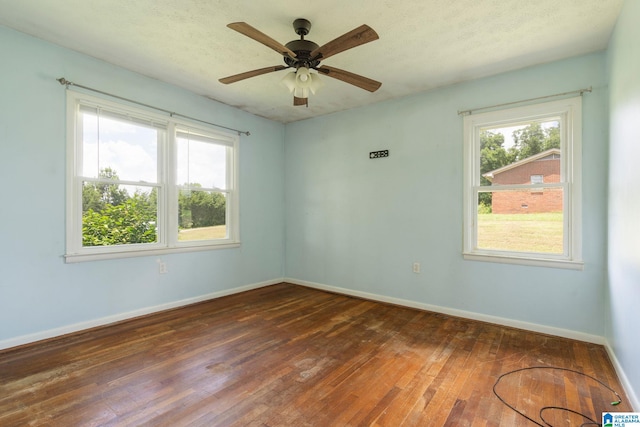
<point>300,101</point>
<point>249,31</point>
<point>253,73</point>
<point>361,35</point>
<point>347,77</point>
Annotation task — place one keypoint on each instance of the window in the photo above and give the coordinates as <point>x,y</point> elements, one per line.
<point>143,184</point>
<point>522,197</point>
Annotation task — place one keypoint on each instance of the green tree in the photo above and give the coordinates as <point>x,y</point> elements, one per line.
<point>133,221</point>
<point>97,195</point>
<point>198,208</point>
<point>552,138</point>
<point>112,217</point>
<point>184,209</point>
<point>532,140</point>
<point>528,141</point>
<point>492,153</point>
<point>492,156</point>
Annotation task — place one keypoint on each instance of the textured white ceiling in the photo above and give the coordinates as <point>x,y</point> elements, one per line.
<point>423,43</point>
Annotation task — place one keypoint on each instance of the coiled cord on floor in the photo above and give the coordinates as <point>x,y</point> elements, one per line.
<point>546,408</point>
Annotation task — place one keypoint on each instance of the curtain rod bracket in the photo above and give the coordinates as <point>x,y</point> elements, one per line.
<point>68,83</point>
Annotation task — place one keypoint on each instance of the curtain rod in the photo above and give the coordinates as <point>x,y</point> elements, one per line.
<point>67,83</point>
<point>471,111</point>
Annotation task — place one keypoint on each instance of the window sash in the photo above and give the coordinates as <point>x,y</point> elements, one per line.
<point>139,120</point>
<point>194,135</point>
<point>167,190</point>
<point>565,187</point>
<point>228,165</point>
<point>568,113</point>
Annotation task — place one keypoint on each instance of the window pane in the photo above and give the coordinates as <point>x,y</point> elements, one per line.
<point>201,163</point>
<point>125,148</point>
<point>522,221</point>
<point>511,155</point>
<point>115,214</point>
<point>202,215</point>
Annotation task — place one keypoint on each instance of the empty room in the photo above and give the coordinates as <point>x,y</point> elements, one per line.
<point>234,213</point>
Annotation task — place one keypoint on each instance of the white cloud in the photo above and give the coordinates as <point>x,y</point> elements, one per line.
<point>202,163</point>
<point>128,149</point>
<point>131,150</point>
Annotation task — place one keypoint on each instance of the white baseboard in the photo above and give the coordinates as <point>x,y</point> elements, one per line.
<point>76,327</point>
<point>628,388</point>
<point>549,330</point>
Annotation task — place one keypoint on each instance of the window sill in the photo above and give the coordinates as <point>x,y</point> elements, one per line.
<point>536,262</point>
<point>76,258</point>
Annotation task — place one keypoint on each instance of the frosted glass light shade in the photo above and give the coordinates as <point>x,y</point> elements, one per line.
<point>316,83</point>
<point>289,80</point>
<point>301,92</point>
<point>301,82</point>
<point>303,77</point>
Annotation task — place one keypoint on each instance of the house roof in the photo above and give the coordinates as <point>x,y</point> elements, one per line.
<point>491,174</point>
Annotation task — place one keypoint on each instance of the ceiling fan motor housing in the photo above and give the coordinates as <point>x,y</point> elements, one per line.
<point>303,49</point>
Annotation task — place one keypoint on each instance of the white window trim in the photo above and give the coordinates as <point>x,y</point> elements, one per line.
<point>167,212</point>
<point>571,160</point>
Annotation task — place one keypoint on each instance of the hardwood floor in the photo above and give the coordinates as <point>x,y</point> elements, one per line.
<point>286,355</point>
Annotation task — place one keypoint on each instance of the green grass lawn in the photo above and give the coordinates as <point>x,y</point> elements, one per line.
<point>203,233</point>
<point>521,232</point>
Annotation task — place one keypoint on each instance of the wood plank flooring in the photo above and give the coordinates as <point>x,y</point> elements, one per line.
<point>287,355</point>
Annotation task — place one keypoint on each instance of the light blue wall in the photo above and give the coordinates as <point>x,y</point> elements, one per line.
<point>359,224</point>
<point>623,292</point>
<point>350,222</point>
<point>38,291</point>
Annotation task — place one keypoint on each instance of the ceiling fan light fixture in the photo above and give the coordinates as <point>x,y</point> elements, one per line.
<point>301,82</point>
<point>307,80</point>
<point>316,83</point>
<point>301,92</point>
<point>289,80</point>
<point>303,77</point>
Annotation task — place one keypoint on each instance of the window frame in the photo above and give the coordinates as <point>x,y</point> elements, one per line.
<point>570,113</point>
<point>168,188</point>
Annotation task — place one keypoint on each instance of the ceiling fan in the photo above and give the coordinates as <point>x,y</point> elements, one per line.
<point>305,55</point>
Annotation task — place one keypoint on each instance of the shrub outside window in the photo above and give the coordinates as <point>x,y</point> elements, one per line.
<point>522,197</point>
<point>139,183</point>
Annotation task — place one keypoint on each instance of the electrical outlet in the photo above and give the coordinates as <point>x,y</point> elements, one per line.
<point>162,267</point>
<point>416,267</point>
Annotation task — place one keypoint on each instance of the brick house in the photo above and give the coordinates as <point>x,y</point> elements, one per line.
<point>540,168</point>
